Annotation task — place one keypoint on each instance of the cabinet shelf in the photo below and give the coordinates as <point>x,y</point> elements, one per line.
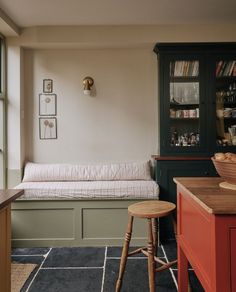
<point>184,78</point>
<point>184,105</point>
<point>184,119</point>
<point>226,118</point>
<point>230,104</point>
<point>232,78</point>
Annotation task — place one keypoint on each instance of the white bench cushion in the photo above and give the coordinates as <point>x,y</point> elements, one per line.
<point>139,189</point>
<point>34,172</point>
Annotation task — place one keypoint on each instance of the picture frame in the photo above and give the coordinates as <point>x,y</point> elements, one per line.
<point>48,128</point>
<point>47,85</point>
<point>47,104</point>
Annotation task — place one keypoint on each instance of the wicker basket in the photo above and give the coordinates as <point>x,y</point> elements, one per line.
<point>226,170</point>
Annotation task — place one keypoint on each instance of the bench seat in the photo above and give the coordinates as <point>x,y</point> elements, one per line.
<point>73,205</point>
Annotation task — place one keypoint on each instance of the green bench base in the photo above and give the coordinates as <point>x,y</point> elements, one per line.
<point>67,223</point>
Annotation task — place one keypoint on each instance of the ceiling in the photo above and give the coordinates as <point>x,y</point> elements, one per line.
<point>26,13</point>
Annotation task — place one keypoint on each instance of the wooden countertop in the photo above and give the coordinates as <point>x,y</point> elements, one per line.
<point>166,158</point>
<point>7,196</point>
<point>206,192</point>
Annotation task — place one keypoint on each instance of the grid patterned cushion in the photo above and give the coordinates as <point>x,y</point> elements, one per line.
<point>126,189</point>
<point>67,172</point>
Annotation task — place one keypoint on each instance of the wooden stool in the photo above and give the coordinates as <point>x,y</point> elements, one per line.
<point>149,210</point>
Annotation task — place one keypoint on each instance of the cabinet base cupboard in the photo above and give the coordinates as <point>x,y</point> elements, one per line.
<point>166,168</point>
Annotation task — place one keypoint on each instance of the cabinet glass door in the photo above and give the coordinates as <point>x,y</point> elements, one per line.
<point>184,98</point>
<point>225,72</point>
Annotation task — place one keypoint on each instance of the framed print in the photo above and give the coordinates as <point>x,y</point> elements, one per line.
<point>47,85</point>
<point>47,104</point>
<point>47,128</point>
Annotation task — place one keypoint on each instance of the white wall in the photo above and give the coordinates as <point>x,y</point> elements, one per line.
<point>119,123</point>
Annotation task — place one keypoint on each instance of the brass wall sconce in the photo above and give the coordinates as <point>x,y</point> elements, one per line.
<point>88,83</point>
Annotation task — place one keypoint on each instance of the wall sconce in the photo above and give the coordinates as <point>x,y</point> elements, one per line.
<point>88,83</point>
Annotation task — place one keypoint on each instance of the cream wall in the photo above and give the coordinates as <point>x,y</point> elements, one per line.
<point>118,123</point>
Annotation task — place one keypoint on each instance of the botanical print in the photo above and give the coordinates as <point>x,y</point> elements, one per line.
<point>47,104</point>
<point>47,128</point>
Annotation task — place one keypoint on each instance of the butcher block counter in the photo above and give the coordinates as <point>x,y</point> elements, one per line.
<point>6,197</point>
<point>206,233</point>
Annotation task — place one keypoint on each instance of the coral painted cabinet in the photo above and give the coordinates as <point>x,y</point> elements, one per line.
<point>233,257</point>
<point>206,234</point>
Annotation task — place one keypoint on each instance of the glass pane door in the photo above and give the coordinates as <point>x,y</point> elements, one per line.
<point>225,72</point>
<point>184,97</point>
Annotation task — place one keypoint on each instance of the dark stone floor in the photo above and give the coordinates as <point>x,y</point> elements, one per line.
<point>93,269</point>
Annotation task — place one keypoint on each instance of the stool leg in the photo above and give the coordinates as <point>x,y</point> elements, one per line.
<point>151,262</point>
<point>154,234</point>
<point>124,255</point>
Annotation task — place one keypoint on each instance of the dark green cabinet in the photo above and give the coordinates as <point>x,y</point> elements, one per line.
<point>197,98</point>
<point>197,112</point>
<point>165,171</point>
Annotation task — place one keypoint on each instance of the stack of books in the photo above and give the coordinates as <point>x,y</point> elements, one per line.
<point>226,68</point>
<point>184,68</point>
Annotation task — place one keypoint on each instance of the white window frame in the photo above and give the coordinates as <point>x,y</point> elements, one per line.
<point>3,119</point>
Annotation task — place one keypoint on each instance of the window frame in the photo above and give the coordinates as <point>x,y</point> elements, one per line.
<point>3,121</point>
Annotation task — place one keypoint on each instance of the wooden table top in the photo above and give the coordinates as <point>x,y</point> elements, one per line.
<point>207,192</point>
<point>8,196</point>
<point>185,158</point>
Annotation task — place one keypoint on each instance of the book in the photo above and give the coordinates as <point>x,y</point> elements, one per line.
<point>227,68</point>
<point>222,68</point>
<point>195,68</point>
<point>176,71</point>
<point>231,68</point>
<point>218,67</point>
<point>234,70</point>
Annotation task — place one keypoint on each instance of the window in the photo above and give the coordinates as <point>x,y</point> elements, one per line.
<point>2,115</point>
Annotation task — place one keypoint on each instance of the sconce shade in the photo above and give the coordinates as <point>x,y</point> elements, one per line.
<point>88,83</point>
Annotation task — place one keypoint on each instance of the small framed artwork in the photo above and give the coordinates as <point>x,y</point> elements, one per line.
<point>47,85</point>
<point>47,128</point>
<point>47,104</point>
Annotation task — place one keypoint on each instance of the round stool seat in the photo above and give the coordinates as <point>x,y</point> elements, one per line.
<point>151,209</point>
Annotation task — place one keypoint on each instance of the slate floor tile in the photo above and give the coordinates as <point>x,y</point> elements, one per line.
<point>81,270</point>
<point>30,251</point>
<point>28,259</point>
<point>75,257</point>
<point>194,282</point>
<point>170,250</point>
<point>67,280</point>
<point>136,277</point>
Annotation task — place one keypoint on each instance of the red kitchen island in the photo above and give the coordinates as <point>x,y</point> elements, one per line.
<point>206,233</point>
